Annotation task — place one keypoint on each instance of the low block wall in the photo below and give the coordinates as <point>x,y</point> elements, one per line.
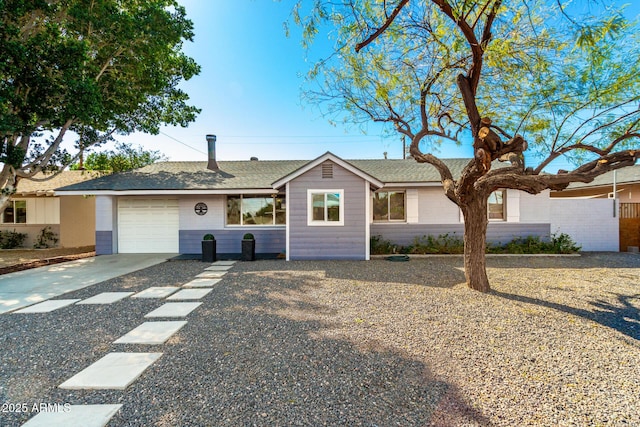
<point>590,222</point>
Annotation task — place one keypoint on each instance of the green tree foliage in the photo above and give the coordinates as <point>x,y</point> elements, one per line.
<point>123,158</point>
<point>96,68</point>
<point>551,78</point>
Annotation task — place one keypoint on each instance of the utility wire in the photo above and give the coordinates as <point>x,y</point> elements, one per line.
<point>270,138</point>
<point>183,143</point>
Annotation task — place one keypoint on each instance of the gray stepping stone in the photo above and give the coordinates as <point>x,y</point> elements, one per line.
<point>189,294</point>
<point>224,263</point>
<point>218,268</point>
<point>174,309</point>
<point>212,274</point>
<point>151,333</point>
<point>115,371</point>
<point>48,306</point>
<point>75,416</point>
<point>156,292</point>
<point>201,283</point>
<point>106,298</point>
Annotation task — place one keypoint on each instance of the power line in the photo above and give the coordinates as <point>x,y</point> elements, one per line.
<point>297,136</point>
<point>183,143</point>
<point>270,138</point>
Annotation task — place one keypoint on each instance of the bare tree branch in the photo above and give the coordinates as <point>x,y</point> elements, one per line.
<point>384,26</point>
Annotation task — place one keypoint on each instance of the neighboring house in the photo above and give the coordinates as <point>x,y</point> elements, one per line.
<point>624,200</point>
<point>34,206</point>
<point>327,208</point>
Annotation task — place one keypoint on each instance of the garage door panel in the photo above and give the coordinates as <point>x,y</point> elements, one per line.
<point>148,225</point>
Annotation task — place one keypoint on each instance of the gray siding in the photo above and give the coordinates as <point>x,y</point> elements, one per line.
<point>503,232</point>
<point>104,242</point>
<point>328,242</point>
<point>498,232</point>
<point>270,241</point>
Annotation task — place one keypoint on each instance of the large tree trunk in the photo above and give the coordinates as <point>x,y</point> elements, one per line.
<point>475,238</point>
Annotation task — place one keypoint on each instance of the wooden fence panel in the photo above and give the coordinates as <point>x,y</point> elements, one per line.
<point>629,225</point>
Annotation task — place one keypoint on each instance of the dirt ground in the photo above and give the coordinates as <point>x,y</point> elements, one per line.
<point>12,260</point>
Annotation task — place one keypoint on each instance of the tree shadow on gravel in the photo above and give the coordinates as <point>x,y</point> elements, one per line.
<point>265,350</point>
<point>433,272</point>
<point>620,260</point>
<point>624,317</point>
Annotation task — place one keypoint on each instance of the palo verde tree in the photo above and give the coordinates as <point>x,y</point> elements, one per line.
<point>86,68</point>
<point>505,76</point>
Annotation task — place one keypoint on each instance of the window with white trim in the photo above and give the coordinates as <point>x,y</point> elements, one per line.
<point>325,207</point>
<point>256,210</point>
<point>389,206</point>
<point>496,205</point>
<point>15,212</point>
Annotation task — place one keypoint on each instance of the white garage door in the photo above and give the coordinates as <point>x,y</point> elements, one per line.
<point>148,225</point>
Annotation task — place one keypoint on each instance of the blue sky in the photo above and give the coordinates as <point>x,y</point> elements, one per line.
<point>249,92</point>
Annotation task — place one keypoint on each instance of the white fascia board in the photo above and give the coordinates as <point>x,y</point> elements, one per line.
<point>163,192</point>
<point>335,159</point>
<point>411,184</point>
<point>34,193</point>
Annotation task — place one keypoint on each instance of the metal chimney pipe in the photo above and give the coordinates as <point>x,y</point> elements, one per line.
<point>211,149</point>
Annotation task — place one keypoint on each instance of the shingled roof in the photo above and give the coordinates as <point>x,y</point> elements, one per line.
<point>628,175</point>
<point>44,184</point>
<point>251,174</point>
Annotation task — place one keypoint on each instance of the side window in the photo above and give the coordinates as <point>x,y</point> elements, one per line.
<point>389,206</point>
<point>325,207</point>
<point>15,213</point>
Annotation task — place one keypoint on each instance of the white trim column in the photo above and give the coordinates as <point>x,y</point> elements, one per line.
<point>288,225</point>
<point>412,207</point>
<point>512,203</point>
<point>367,223</point>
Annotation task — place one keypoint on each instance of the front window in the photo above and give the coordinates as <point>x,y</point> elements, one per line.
<point>256,210</point>
<point>497,206</point>
<point>15,212</point>
<point>389,206</point>
<point>326,207</point>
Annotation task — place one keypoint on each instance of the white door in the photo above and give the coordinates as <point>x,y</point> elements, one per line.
<point>148,225</point>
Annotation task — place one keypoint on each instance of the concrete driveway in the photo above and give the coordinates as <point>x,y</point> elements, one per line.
<point>29,287</point>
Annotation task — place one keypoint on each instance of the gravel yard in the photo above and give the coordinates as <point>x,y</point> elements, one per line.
<point>557,342</point>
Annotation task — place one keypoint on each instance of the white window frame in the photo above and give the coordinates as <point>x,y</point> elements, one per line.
<point>383,221</point>
<point>274,213</point>
<point>325,222</point>
<point>13,206</point>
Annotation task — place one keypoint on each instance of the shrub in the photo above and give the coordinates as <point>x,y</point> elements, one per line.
<point>559,244</point>
<point>11,239</point>
<point>563,244</point>
<point>248,236</point>
<point>380,246</point>
<point>452,244</point>
<point>46,239</point>
<point>443,244</point>
<point>208,236</point>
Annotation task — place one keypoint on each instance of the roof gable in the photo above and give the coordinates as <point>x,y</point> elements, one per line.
<point>318,161</point>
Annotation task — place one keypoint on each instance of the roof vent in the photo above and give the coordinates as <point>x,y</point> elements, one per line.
<point>211,149</point>
<point>254,159</point>
<point>327,170</point>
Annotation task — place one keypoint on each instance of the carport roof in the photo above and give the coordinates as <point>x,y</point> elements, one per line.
<point>250,174</point>
<point>628,175</point>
